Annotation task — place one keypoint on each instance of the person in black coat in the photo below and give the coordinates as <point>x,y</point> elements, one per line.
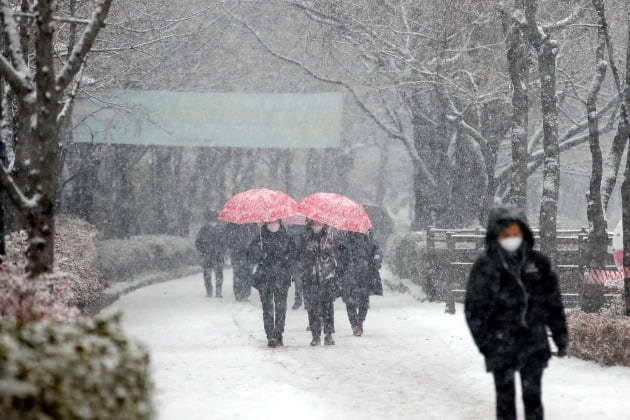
<point>318,254</point>
<point>361,261</point>
<point>273,252</point>
<point>511,298</point>
<point>210,244</point>
<point>239,238</point>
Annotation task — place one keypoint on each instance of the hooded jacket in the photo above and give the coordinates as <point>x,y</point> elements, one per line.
<point>512,299</point>
<point>318,255</point>
<point>360,266</point>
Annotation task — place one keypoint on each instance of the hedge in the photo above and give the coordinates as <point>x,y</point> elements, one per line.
<point>122,259</point>
<point>603,339</point>
<point>85,369</point>
<point>407,256</point>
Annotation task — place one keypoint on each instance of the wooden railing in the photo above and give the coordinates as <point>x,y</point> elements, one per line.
<point>452,252</point>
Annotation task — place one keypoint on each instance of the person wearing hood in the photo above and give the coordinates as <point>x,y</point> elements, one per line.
<point>318,253</point>
<point>512,297</point>
<point>361,262</point>
<point>273,253</point>
<point>210,244</point>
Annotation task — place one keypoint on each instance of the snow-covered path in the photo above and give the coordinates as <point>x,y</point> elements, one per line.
<point>210,361</point>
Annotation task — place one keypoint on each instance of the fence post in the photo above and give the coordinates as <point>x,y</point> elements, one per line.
<point>449,295</point>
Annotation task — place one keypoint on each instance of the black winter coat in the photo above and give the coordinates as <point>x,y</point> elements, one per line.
<point>318,255</point>
<point>360,261</point>
<point>210,244</point>
<point>509,309</point>
<point>274,254</point>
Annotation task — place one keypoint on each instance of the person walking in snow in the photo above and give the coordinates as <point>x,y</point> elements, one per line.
<point>361,261</point>
<point>273,252</point>
<point>210,244</point>
<point>318,253</point>
<point>239,237</point>
<point>296,231</point>
<point>511,298</point>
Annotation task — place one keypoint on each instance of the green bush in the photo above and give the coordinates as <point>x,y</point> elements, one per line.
<point>406,255</point>
<point>122,259</point>
<point>86,369</point>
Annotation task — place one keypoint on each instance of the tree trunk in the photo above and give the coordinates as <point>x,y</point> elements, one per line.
<point>596,251</point>
<point>518,67</point>
<point>625,188</point>
<point>43,176</point>
<point>551,167</point>
<point>381,177</point>
<point>613,162</point>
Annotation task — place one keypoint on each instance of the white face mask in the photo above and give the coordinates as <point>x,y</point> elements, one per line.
<point>511,244</point>
<point>273,227</point>
<point>317,228</point>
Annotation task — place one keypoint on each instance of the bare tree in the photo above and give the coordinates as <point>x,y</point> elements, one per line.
<point>39,94</point>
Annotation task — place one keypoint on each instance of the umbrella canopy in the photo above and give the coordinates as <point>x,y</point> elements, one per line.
<point>255,206</point>
<point>335,210</point>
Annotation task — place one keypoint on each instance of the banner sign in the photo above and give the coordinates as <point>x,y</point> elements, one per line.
<point>256,120</point>
<point>609,278</point>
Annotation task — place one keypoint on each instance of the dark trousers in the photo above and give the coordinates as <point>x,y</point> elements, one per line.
<point>207,279</point>
<point>531,379</point>
<point>321,315</point>
<point>357,309</point>
<point>242,271</point>
<point>299,289</point>
<point>274,304</point>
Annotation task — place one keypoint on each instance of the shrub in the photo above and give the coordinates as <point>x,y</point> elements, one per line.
<point>121,259</point>
<point>86,369</point>
<point>406,255</point>
<point>603,339</point>
<point>75,254</point>
<point>75,281</point>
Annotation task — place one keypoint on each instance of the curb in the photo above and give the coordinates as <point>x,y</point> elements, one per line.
<point>108,298</point>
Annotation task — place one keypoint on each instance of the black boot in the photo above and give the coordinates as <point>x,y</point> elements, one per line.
<point>272,343</point>
<point>317,340</point>
<point>328,340</point>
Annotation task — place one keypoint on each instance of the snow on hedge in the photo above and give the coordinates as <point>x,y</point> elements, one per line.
<point>85,369</point>
<point>75,280</point>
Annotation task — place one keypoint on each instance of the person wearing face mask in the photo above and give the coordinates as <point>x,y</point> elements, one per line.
<point>512,297</point>
<point>318,253</point>
<point>273,252</point>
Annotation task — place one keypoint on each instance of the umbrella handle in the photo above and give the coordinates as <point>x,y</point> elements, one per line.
<point>260,236</point>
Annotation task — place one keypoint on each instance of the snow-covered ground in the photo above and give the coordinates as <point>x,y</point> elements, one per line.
<point>210,361</point>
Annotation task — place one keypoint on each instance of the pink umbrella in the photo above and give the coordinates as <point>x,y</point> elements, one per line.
<point>335,210</point>
<point>259,205</point>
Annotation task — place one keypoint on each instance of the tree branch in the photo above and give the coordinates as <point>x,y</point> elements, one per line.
<point>415,156</point>
<point>84,45</point>
<point>18,73</point>
<point>14,192</point>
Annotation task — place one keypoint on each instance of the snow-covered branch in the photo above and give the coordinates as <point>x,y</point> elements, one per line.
<point>84,45</point>
<point>577,13</point>
<point>408,143</point>
<point>16,73</point>
<point>14,192</point>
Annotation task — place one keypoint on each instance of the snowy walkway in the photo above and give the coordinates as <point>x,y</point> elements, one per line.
<point>210,361</point>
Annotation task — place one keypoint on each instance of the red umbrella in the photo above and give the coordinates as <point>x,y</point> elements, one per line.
<point>335,210</point>
<point>259,205</point>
